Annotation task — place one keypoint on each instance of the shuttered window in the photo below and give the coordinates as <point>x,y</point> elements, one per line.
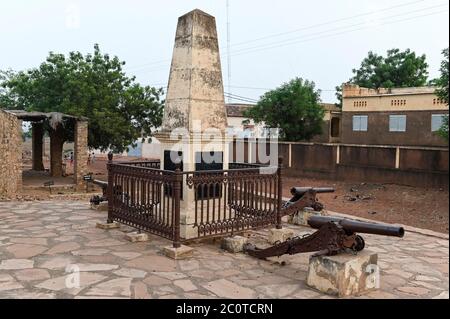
<point>360,123</point>
<point>436,121</point>
<point>397,123</point>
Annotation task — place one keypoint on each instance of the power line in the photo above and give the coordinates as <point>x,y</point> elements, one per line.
<point>297,39</point>
<point>241,100</point>
<point>240,96</point>
<point>289,32</point>
<point>149,64</point>
<point>329,22</point>
<point>305,39</point>
<point>335,34</point>
<point>250,88</point>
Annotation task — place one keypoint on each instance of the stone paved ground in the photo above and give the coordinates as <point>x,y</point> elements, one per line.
<point>38,240</point>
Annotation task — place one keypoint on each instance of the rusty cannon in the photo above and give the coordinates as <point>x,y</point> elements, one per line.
<point>117,191</point>
<point>96,200</point>
<point>335,235</point>
<point>303,197</point>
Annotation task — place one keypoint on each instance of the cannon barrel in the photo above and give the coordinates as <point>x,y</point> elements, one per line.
<point>356,226</point>
<point>102,184</point>
<point>300,191</point>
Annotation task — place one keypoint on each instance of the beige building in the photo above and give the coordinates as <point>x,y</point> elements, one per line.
<point>235,115</point>
<point>397,116</point>
<point>331,127</point>
<point>235,119</point>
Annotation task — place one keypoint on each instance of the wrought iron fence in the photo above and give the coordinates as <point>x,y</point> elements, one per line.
<point>138,197</point>
<point>230,201</point>
<point>156,164</point>
<point>225,202</point>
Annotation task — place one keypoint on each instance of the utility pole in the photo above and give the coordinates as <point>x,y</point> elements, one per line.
<point>229,50</point>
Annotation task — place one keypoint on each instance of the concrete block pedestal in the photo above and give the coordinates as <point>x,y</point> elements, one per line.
<point>108,226</point>
<point>344,275</point>
<point>184,252</point>
<point>136,237</point>
<point>280,235</point>
<point>234,244</point>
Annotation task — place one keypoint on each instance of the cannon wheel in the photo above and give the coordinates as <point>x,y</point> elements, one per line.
<point>359,243</point>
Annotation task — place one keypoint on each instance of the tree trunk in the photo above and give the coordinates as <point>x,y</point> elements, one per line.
<point>56,151</point>
<point>37,142</point>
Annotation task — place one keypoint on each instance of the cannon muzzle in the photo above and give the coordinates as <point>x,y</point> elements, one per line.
<point>355,226</point>
<point>300,191</point>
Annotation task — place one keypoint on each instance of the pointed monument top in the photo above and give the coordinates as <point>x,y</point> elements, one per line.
<point>197,11</point>
<point>195,90</point>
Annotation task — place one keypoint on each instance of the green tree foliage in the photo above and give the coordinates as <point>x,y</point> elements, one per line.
<point>119,110</point>
<point>7,97</point>
<point>397,69</point>
<point>442,91</point>
<point>294,108</point>
<point>443,131</point>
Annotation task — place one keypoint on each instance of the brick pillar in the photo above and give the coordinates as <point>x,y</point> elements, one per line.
<point>80,153</point>
<point>37,143</point>
<point>19,156</point>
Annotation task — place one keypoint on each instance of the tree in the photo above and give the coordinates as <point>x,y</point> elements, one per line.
<point>293,108</point>
<point>120,111</point>
<point>442,91</point>
<point>7,97</point>
<point>397,69</point>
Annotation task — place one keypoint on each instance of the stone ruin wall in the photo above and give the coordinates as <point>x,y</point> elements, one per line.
<point>10,155</point>
<point>81,150</point>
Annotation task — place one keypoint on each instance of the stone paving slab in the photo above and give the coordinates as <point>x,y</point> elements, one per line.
<point>43,243</point>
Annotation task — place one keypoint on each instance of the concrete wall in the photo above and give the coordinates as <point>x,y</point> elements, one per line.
<point>412,166</point>
<point>10,154</point>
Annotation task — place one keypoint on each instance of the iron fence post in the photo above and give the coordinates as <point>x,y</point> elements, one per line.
<point>110,187</point>
<point>280,192</point>
<point>177,196</point>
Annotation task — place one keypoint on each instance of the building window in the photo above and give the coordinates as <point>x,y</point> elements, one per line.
<point>360,123</point>
<point>397,123</point>
<point>436,121</point>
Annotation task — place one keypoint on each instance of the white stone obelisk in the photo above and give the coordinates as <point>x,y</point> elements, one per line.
<point>195,118</point>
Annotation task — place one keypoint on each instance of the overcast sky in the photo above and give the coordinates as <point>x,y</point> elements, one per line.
<point>272,41</point>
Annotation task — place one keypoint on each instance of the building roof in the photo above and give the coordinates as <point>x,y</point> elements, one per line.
<point>236,109</point>
<point>355,91</point>
<point>331,107</point>
<point>39,116</point>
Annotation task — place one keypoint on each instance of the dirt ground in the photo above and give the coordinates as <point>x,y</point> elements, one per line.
<point>422,208</point>
<point>417,207</point>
